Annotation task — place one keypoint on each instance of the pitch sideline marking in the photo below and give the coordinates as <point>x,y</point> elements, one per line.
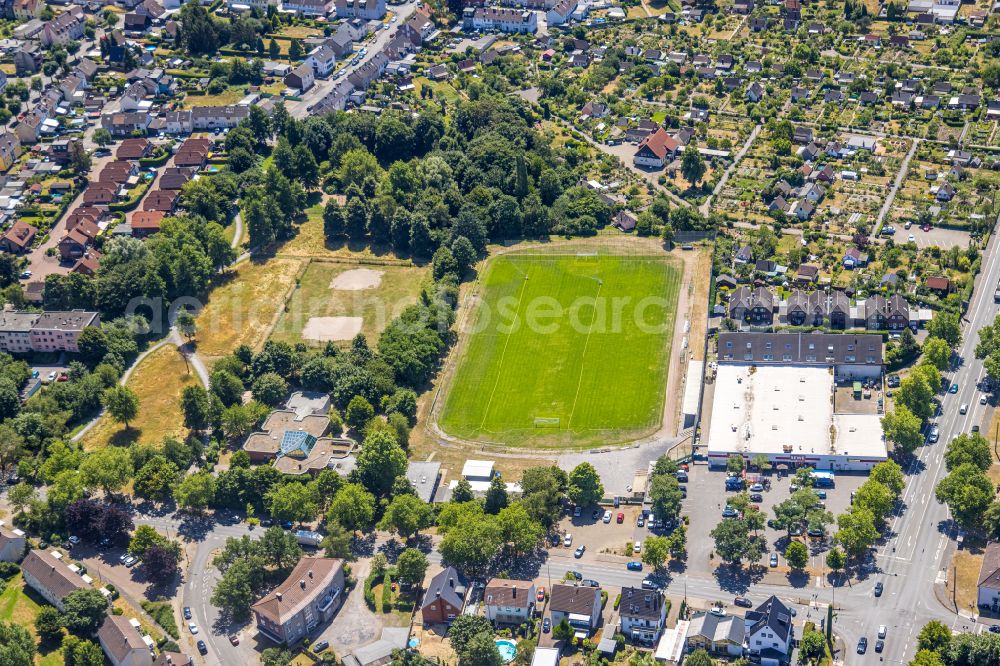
<point>503,354</point>
<point>583,358</point>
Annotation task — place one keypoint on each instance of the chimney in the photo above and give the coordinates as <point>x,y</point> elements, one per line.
<point>278,595</point>
<point>302,583</point>
<point>451,582</point>
<point>310,573</point>
<point>514,592</point>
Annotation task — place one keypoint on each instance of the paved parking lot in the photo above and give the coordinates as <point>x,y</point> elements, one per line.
<point>707,497</point>
<point>943,238</point>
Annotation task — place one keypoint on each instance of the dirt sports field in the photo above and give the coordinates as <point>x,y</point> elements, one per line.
<point>566,345</point>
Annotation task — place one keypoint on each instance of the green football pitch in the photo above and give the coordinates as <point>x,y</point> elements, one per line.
<point>564,350</point>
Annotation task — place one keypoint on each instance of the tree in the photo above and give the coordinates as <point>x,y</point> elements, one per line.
<point>197,407</point>
<point>334,223</point>
<point>813,646</point>
<point>406,515</point>
<point>655,551</point>
<point>79,158</point>
<point>563,631</point>
<point>519,532</point>
<point>481,650</point>
<point>352,507</point>
<point>472,544</point>
<point>937,353</point>
<point>761,462</point>
<point>84,610</point>
<point>466,627</point>
<point>692,164</point>
<point>935,636</point>
<point>186,324</point>
<point>734,463</point>
<point>732,541</point>
<point>234,592</point>
<point>279,548</point>
<point>496,496</point>
<point>270,388</point>
<point>926,658</point>
<point>48,624</point>
<point>968,492</point>
<point>968,448</point>
<point>294,50</point>
<point>337,542</point>
<point>109,469</point>
<point>890,475</point>
<point>902,428</point>
<point>359,412</point>
<point>380,461</point>
<point>102,137</point>
<point>699,657</point>
<point>946,326</point>
<point>144,537</point>
<point>665,496</point>
<point>875,497</point>
<point>78,652</point>
<point>856,531</point>
<point>160,562</point>
<point>411,566</point>
<point>462,492</point>
<point>155,480</point>
<point>836,559</point>
<point>196,491</point>
<point>585,488</point>
<point>915,394</point>
<point>293,502</point>
<point>21,496</point>
<point>17,647</point>
<point>122,404</point>
<point>797,555</point>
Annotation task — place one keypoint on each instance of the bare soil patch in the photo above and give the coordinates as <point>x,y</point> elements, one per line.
<point>357,279</point>
<point>324,329</point>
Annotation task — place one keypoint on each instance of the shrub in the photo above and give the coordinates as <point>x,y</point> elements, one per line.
<point>369,594</point>
<point>618,600</point>
<point>386,593</point>
<point>163,614</point>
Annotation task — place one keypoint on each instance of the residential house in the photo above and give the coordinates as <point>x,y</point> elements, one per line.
<point>744,255</point>
<point>168,658</point>
<point>15,332</point>
<point>74,244</point>
<point>12,542</point>
<point>718,634</point>
<point>122,643</point>
<point>803,210</point>
<point>498,18</point>
<point>134,149</point>
<point>624,220</point>
<point>897,313</point>
<point>137,23</point>
<point>100,194</point>
<point>806,309</point>
<point>726,281</point>
<point>509,601</point>
<point>25,10</point>
<point>938,283</point>
<point>840,310</point>
<point>50,577</point>
<point>855,258</point>
<point>301,78</point>
<point>988,587</point>
<point>146,222</point>
<point>802,135</point>
<point>322,59</point>
<point>10,150</point>
<point>369,10</point>
<point>643,614</point>
<point>656,150</point>
<point>309,597</point>
<point>28,59</point>
<point>561,12</point>
<point>769,632</point>
<point>444,599</point>
<point>580,606</point>
<point>316,8</point>
<point>126,124</point>
<point>217,117</point>
<point>755,92</point>
<point>755,306</point>
<point>18,239</point>
<point>164,201</point>
<point>945,192</point>
<point>174,178</point>
<point>63,28</point>
<point>807,274</point>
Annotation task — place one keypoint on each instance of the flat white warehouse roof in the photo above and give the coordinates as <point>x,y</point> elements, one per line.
<point>781,406</point>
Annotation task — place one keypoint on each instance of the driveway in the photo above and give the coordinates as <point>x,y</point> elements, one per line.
<point>354,624</point>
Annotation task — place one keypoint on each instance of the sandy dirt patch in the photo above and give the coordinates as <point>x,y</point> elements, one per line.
<point>357,279</point>
<point>323,329</point>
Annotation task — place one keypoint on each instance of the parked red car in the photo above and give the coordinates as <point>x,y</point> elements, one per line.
<point>541,594</point>
<point>621,517</point>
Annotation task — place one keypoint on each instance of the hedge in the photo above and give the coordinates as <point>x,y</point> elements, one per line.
<point>131,202</point>
<point>155,161</point>
<point>369,594</point>
<point>386,593</point>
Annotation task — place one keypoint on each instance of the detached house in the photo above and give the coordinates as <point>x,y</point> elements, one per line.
<point>444,599</point>
<point>656,149</point>
<point>50,577</point>
<point>988,588</point>
<point>122,643</point>
<point>580,606</point>
<point>369,10</point>
<point>12,544</point>
<point>719,635</point>
<point>509,601</point>
<point>643,614</point>
<point>63,28</point>
<point>301,78</point>
<point>310,595</point>
<point>769,632</point>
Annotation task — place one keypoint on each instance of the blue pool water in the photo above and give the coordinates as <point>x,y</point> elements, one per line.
<point>508,650</point>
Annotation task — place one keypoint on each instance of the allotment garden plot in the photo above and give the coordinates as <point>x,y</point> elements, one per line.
<point>564,349</point>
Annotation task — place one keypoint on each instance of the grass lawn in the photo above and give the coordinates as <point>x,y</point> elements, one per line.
<point>967,566</point>
<point>400,287</point>
<point>298,32</point>
<point>158,381</point>
<point>243,306</point>
<point>17,607</point>
<point>231,95</point>
<point>309,241</point>
<point>565,349</point>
